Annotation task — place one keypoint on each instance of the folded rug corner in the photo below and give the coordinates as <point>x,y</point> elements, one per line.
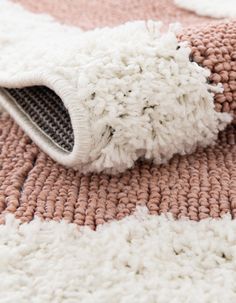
<point>99,100</point>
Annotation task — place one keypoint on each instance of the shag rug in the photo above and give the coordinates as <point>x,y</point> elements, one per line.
<point>117,152</point>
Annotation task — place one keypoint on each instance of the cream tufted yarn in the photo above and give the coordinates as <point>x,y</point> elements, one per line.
<point>130,91</point>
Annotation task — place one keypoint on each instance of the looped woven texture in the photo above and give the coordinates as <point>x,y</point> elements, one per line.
<point>196,186</point>
<point>214,47</point>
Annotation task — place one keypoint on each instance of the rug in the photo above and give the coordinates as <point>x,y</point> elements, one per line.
<point>149,233</point>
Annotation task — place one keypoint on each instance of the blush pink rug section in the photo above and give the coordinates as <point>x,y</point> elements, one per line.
<point>196,186</point>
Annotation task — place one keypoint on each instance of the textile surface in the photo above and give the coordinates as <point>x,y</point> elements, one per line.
<point>196,186</point>
<point>154,233</point>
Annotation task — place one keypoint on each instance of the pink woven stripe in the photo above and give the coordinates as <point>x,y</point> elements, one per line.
<point>98,13</point>
<point>196,186</point>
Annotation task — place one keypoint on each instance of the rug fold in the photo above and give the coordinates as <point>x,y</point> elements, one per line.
<point>100,100</point>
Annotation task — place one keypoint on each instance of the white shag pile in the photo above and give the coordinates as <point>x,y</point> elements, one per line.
<point>142,258</point>
<point>130,91</point>
<point>210,8</point>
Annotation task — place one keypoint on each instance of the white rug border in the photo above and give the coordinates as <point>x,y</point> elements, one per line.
<point>211,8</point>
<point>141,258</point>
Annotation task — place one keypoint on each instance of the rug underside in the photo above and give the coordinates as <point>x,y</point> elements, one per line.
<point>46,110</point>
